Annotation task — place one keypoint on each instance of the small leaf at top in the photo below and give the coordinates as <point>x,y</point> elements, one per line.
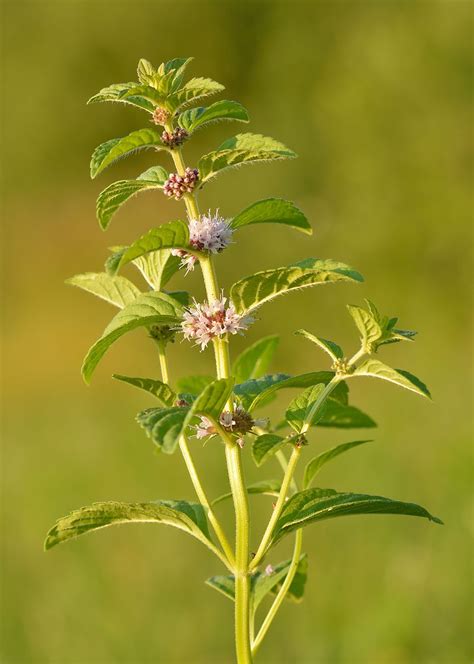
<point>272,211</point>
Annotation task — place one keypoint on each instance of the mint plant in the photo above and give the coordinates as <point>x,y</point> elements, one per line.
<point>226,409</point>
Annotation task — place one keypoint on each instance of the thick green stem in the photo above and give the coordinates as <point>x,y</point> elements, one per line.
<point>280,503</point>
<point>163,362</point>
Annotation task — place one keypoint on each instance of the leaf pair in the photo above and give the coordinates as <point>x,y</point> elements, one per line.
<point>377,330</point>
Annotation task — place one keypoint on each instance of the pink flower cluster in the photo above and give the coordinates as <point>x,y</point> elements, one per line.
<point>238,422</point>
<point>174,138</point>
<point>204,322</point>
<point>178,185</point>
<point>210,233</point>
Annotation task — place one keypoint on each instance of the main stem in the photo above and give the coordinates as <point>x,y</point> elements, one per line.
<point>234,466</point>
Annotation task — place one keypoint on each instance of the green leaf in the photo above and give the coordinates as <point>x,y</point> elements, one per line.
<point>299,412</point>
<point>273,211</point>
<point>250,293</point>
<point>334,351</point>
<point>118,193</point>
<point>399,377</point>
<point>194,89</point>
<point>193,384</point>
<point>183,515</point>
<point>254,361</point>
<point>376,330</point>
<point>160,390</point>
<point>196,118</point>
<point>119,291</point>
<point>148,309</point>
<point>265,487</point>
<point>172,235</point>
<point>313,505</point>
<point>147,92</point>
<point>255,392</point>
<point>164,426</point>
<point>342,416</point>
<point>107,153</point>
<point>241,149</point>
<point>315,465</point>
<point>263,583</point>
<point>157,267</point>
<point>113,93</point>
<point>296,590</point>
<point>213,398</point>
<point>265,446</point>
<point>145,71</point>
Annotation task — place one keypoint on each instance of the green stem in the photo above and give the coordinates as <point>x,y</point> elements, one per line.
<point>320,401</point>
<point>281,593</point>
<point>262,549</point>
<point>163,362</point>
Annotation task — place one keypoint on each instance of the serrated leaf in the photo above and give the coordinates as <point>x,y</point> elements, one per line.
<point>157,267</point>
<point>241,149</point>
<point>254,361</point>
<point>145,71</point>
<point>193,90</point>
<point>119,291</point>
<point>261,583</point>
<point>178,67</point>
<point>193,384</point>
<point>186,516</point>
<point>299,412</point>
<point>148,309</point>
<point>273,211</point>
<point>377,369</point>
<point>196,118</point>
<point>118,193</point>
<point>264,487</point>
<point>255,392</point>
<point>113,93</point>
<point>160,390</point>
<point>164,426</point>
<point>172,235</point>
<point>314,466</point>
<point>265,446</point>
<point>376,330</point>
<point>250,293</point>
<point>311,505</point>
<point>368,327</point>
<point>343,416</point>
<point>149,93</point>
<point>334,351</point>
<point>117,148</point>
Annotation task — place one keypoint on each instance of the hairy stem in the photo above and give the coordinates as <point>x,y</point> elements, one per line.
<point>163,363</point>
<point>280,503</point>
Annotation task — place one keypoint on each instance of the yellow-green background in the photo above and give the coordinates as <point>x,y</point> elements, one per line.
<point>374,96</point>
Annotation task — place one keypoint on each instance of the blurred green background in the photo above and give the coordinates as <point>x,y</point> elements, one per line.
<point>375,98</point>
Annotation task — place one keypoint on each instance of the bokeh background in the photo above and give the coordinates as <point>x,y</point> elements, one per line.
<point>375,97</point>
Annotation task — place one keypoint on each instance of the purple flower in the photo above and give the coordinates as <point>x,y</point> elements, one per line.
<point>204,322</point>
<point>210,233</point>
<point>178,185</point>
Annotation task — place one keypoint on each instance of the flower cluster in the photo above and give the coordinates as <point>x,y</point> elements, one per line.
<point>160,116</point>
<point>174,138</point>
<point>206,321</point>
<point>210,233</point>
<point>177,185</point>
<point>237,421</point>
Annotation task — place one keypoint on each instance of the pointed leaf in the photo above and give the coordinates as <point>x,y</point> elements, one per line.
<point>311,505</point>
<point>157,267</point>
<point>224,585</point>
<point>315,465</point>
<point>160,390</point>
<point>254,361</point>
<point>265,487</point>
<point>151,94</point>
<point>194,89</point>
<point>145,71</point>
<point>273,211</point>
<point>196,118</point>
<point>378,369</point>
<point>333,350</point>
<point>164,426</point>
<point>118,193</point>
<point>342,416</point>
<point>119,291</point>
<point>241,149</point>
<point>300,410</point>
<point>148,309</point>
<point>213,398</point>
<point>189,517</point>
<point>296,590</point>
<point>113,93</point>
<point>172,235</point>
<point>265,446</point>
<point>108,152</point>
<point>250,293</point>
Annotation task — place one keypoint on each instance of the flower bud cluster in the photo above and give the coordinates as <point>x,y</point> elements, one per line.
<point>175,138</point>
<point>178,185</point>
<point>163,333</point>
<point>237,421</point>
<point>160,116</point>
<point>206,321</point>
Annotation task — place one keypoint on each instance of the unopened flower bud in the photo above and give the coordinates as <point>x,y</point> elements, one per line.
<point>160,116</point>
<point>178,185</point>
<point>174,138</point>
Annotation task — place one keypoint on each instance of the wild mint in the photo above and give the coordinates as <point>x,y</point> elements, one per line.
<point>228,408</point>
